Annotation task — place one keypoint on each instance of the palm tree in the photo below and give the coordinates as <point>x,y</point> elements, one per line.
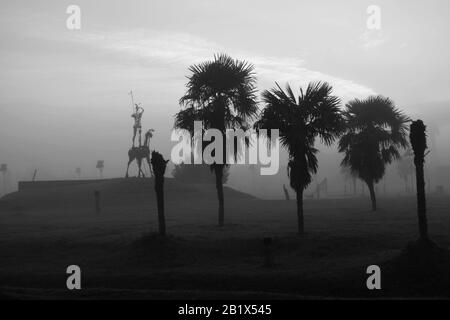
<point>375,131</point>
<point>314,113</point>
<point>222,94</point>
<point>418,141</point>
<point>159,168</point>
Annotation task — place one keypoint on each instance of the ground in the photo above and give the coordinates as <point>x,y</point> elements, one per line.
<point>44,230</point>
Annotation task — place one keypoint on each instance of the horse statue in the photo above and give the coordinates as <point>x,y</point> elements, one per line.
<point>140,153</point>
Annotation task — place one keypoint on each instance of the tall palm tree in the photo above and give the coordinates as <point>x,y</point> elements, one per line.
<point>300,120</point>
<point>222,94</point>
<point>418,141</point>
<point>375,131</point>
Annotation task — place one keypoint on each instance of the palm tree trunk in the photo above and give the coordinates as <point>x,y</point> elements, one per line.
<point>301,226</point>
<point>159,189</point>
<point>421,201</point>
<point>218,169</point>
<point>159,168</point>
<point>372,195</point>
<point>418,140</point>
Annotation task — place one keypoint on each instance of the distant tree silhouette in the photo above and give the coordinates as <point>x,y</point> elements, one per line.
<point>222,94</point>
<point>348,174</point>
<point>78,172</point>
<point>201,173</point>
<point>405,167</point>
<point>375,131</point>
<point>315,113</point>
<point>418,141</point>
<point>100,165</point>
<point>159,168</point>
<point>4,171</point>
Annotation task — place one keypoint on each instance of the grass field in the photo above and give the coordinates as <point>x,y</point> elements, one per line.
<point>47,229</point>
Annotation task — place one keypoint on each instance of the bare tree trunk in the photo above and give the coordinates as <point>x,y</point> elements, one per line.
<point>418,140</point>
<point>372,195</point>
<point>218,169</point>
<point>159,189</point>
<point>159,168</point>
<point>421,201</point>
<point>301,226</point>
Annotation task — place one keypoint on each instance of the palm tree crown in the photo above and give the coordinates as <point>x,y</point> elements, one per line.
<point>314,113</point>
<point>221,93</point>
<point>375,132</point>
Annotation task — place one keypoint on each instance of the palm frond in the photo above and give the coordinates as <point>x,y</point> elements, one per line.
<point>375,132</point>
<point>221,93</point>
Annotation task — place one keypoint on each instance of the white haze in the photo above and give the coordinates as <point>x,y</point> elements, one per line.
<point>63,94</point>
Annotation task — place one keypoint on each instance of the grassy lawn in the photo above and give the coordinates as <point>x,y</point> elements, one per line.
<point>43,231</point>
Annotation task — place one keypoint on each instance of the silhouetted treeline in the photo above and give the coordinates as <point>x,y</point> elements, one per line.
<point>222,94</point>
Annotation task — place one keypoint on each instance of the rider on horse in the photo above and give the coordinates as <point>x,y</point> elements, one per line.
<point>137,115</point>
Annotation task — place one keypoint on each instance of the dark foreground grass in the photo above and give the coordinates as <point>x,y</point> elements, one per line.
<point>122,258</point>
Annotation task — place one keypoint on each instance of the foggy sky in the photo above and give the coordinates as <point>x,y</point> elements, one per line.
<point>63,93</point>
